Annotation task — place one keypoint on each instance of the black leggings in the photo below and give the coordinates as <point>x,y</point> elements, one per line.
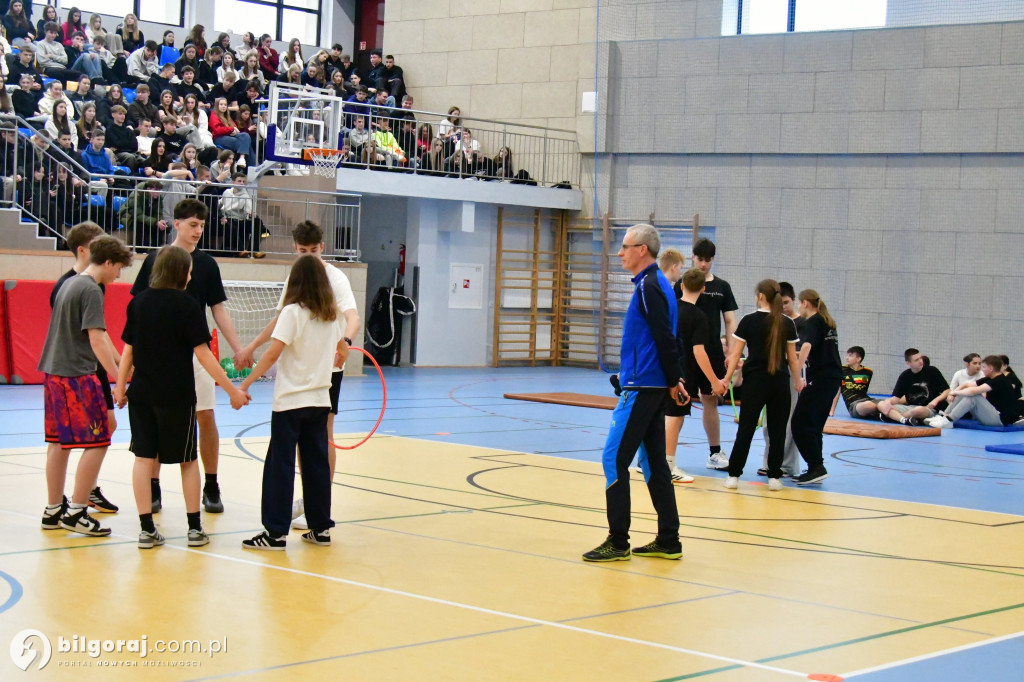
<point>771,392</point>
<point>810,415</point>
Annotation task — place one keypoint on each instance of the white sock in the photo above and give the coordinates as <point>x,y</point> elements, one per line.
<point>73,507</point>
<point>53,507</point>
<point>671,461</point>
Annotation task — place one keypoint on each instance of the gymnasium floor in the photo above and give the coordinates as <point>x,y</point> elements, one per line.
<point>456,554</point>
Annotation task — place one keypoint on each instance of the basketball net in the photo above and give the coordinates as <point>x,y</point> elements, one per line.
<point>325,162</point>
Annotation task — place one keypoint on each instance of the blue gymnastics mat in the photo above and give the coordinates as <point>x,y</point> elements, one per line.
<point>976,426</point>
<point>1010,448</point>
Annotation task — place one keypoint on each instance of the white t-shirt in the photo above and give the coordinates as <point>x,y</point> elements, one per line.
<point>304,368</point>
<point>343,295</point>
<point>962,377</point>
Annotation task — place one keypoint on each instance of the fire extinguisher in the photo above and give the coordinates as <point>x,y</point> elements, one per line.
<point>401,260</point>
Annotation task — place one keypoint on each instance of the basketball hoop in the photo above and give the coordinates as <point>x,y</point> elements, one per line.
<point>325,161</point>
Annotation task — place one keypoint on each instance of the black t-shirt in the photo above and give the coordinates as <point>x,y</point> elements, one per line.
<point>1014,380</point>
<point>163,328</point>
<point>753,329</point>
<point>691,330</point>
<point>100,371</point>
<point>716,300</point>
<point>1003,397</point>
<point>206,286</point>
<point>855,384</point>
<point>920,388</point>
<point>823,360</point>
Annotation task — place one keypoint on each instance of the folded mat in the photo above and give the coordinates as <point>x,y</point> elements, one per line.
<point>1009,448</point>
<point>977,426</point>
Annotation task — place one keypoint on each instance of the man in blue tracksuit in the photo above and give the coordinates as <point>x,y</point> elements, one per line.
<point>649,375</point>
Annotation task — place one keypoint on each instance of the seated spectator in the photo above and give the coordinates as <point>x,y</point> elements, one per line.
<point>174,140</point>
<point>95,158</point>
<point>189,159</point>
<point>352,84</point>
<point>25,65</point>
<point>449,128</point>
<point>209,194</point>
<point>82,59</point>
<point>197,38</point>
<point>292,56</point>
<point>168,52</point>
<point>17,25</point>
<point>854,387</point>
<point>424,135</point>
<point>54,94</point>
<point>131,37</point>
<point>311,77</point>
<point>249,44</point>
<point>225,131</point>
<point>250,96</point>
<point>51,57</point>
<point>358,136</point>
<point>159,159</point>
<point>121,140</point>
<point>5,102</point>
<point>242,228</point>
<point>337,84</point>
<point>83,94</point>
<point>60,122</point>
<point>223,168</point>
<point>467,159</point>
<point>114,97</point>
<point>188,86</point>
<point>49,14</point>
<point>74,23</point>
<point>143,62</point>
<point>292,75</point>
<point>433,162</point>
<point>66,199</point>
<point>161,83</point>
<point>176,187</point>
<point>25,99</point>
<point>992,399</point>
<point>224,43</point>
<point>407,106</point>
<point>374,78</point>
<point>919,394</point>
<point>269,58</point>
<point>503,168</point>
<point>349,66</point>
<point>227,65</point>
<point>95,28</point>
<point>196,126</point>
<point>144,137</point>
<point>247,125</point>
<point>970,372</point>
<point>142,216</point>
<point>12,160</point>
<point>251,71</point>
<point>356,105</point>
<point>394,78</point>
<point>189,57</point>
<point>114,67</point>
<point>87,125</point>
<point>406,137</point>
<point>1008,372</point>
<point>384,148</point>
<point>334,61</point>
<point>230,90</point>
<point>382,106</point>
<point>142,108</point>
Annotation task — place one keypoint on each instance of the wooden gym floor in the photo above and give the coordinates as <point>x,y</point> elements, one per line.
<point>453,560</point>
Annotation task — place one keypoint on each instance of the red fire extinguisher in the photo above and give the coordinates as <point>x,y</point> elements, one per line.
<point>401,260</point>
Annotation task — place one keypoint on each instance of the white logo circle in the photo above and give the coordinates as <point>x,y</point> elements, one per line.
<point>22,652</point>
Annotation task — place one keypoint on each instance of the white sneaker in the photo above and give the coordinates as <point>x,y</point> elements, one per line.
<point>299,523</point>
<point>774,484</point>
<point>732,482</point>
<point>298,508</point>
<point>639,470</point>
<point>718,461</point>
<point>939,421</point>
<point>680,476</point>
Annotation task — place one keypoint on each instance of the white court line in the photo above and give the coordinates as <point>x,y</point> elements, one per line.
<point>492,612</point>
<point>936,654</point>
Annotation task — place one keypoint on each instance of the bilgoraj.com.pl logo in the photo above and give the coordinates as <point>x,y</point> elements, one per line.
<point>24,651</point>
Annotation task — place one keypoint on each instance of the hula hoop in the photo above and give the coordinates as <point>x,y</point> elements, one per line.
<point>383,406</point>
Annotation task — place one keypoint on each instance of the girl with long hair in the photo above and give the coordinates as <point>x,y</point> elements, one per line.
<point>132,37</point>
<point>293,75</point>
<point>307,343</point>
<point>820,350</point>
<point>61,123</point>
<point>193,114</point>
<point>74,23</point>
<point>293,56</point>
<point>95,27</point>
<point>86,125</point>
<point>49,15</point>
<point>83,93</point>
<point>190,157</point>
<point>18,26</point>
<point>503,167</point>
<point>113,97</point>
<point>770,338</point>
<point>164,328</point>
<point>165,106</point>
<point>159,160</point>
<point>227,63</point>
<point>225,131</point>
<point>251,69</point>
<point>197,37</point>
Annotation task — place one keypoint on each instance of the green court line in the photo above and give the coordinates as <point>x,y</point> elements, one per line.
<point>1015,476</point>
<point>848,642</point>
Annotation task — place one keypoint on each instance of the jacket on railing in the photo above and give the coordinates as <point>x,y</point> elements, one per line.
<point>97,161</point>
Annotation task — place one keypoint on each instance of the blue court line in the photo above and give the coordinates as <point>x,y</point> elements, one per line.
<point>16,591</point>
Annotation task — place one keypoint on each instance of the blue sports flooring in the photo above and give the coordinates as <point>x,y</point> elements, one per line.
<point>466,406</point>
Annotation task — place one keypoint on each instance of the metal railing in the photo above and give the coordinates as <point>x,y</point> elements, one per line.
<point>53,189</point>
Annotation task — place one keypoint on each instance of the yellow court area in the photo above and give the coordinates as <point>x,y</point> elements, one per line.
<point>453,562</point>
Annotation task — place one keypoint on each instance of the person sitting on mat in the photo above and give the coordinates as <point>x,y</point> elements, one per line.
<point>1014,379</point>
<point>919,392</point>
<point>992,399</point>
<point>854,387</point>
<point>970,372</point>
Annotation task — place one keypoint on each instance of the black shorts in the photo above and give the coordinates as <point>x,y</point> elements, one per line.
<point>718,366</point>
<point>335,391</point>
<point>105,386</point>
<point>672,409</point>
<point>164,433</point>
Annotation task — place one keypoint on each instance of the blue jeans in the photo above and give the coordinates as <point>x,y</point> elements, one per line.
<point>240,143</point>
<point>88,64</point>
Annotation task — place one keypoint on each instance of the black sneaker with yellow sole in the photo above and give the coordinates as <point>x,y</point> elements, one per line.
<point>656,549</point>
<point>607,551</point>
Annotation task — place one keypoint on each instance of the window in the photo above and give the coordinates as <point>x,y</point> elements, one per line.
<point>157,11</point>
<point>829,16</point>
<point>765,16</point>
<point>283,19</point>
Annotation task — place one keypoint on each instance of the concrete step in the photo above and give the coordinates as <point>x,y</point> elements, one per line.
<point>16,233</point>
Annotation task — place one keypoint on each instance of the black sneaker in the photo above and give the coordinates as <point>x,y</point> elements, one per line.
<point>607,551</point>
<point>211,499</point>
<point>886,419</point>
<point>656,549</point>
<point>315,538</point>
<point>51,520</point>
<point>81,522</point>
<point>914,421</point>
<point>265,541</point>
<point>100,503</point>
<point>157,500</point>
<point>760,472</point>
<point>811,476</point>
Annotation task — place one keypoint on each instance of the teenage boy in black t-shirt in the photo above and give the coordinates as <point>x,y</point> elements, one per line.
<point>79,238</point>
<point>718,303</point>
<point>919,394</point>
<point>207,288</point>
<point>854,387</point>
<point>992,399</point>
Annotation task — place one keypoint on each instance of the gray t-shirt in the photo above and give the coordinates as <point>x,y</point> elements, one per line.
<point>78,308</point>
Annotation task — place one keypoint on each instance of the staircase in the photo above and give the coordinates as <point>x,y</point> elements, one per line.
<point>15,233</point>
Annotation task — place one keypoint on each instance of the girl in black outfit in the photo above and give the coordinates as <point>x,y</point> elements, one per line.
<point>159,161</point>
<point>770,338</point>
<point>49,14</point>
<point>17,25</point>
<point>113,97</point>
<point>820,349</point>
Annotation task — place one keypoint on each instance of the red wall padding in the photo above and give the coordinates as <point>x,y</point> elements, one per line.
<point>27,316</point>
<point>5,362</point>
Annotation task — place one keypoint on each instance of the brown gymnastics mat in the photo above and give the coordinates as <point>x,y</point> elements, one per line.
<point>835,427</point>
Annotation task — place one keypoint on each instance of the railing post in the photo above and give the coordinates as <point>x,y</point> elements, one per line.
<point>544,156</point>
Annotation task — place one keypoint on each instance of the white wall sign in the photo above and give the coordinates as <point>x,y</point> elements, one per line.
<point>466,286</point>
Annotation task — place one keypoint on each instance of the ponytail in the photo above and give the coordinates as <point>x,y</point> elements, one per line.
<point>812,297</point>
<point>774,343</point>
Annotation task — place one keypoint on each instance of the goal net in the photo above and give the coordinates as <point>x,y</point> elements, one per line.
<point>252,306</point>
